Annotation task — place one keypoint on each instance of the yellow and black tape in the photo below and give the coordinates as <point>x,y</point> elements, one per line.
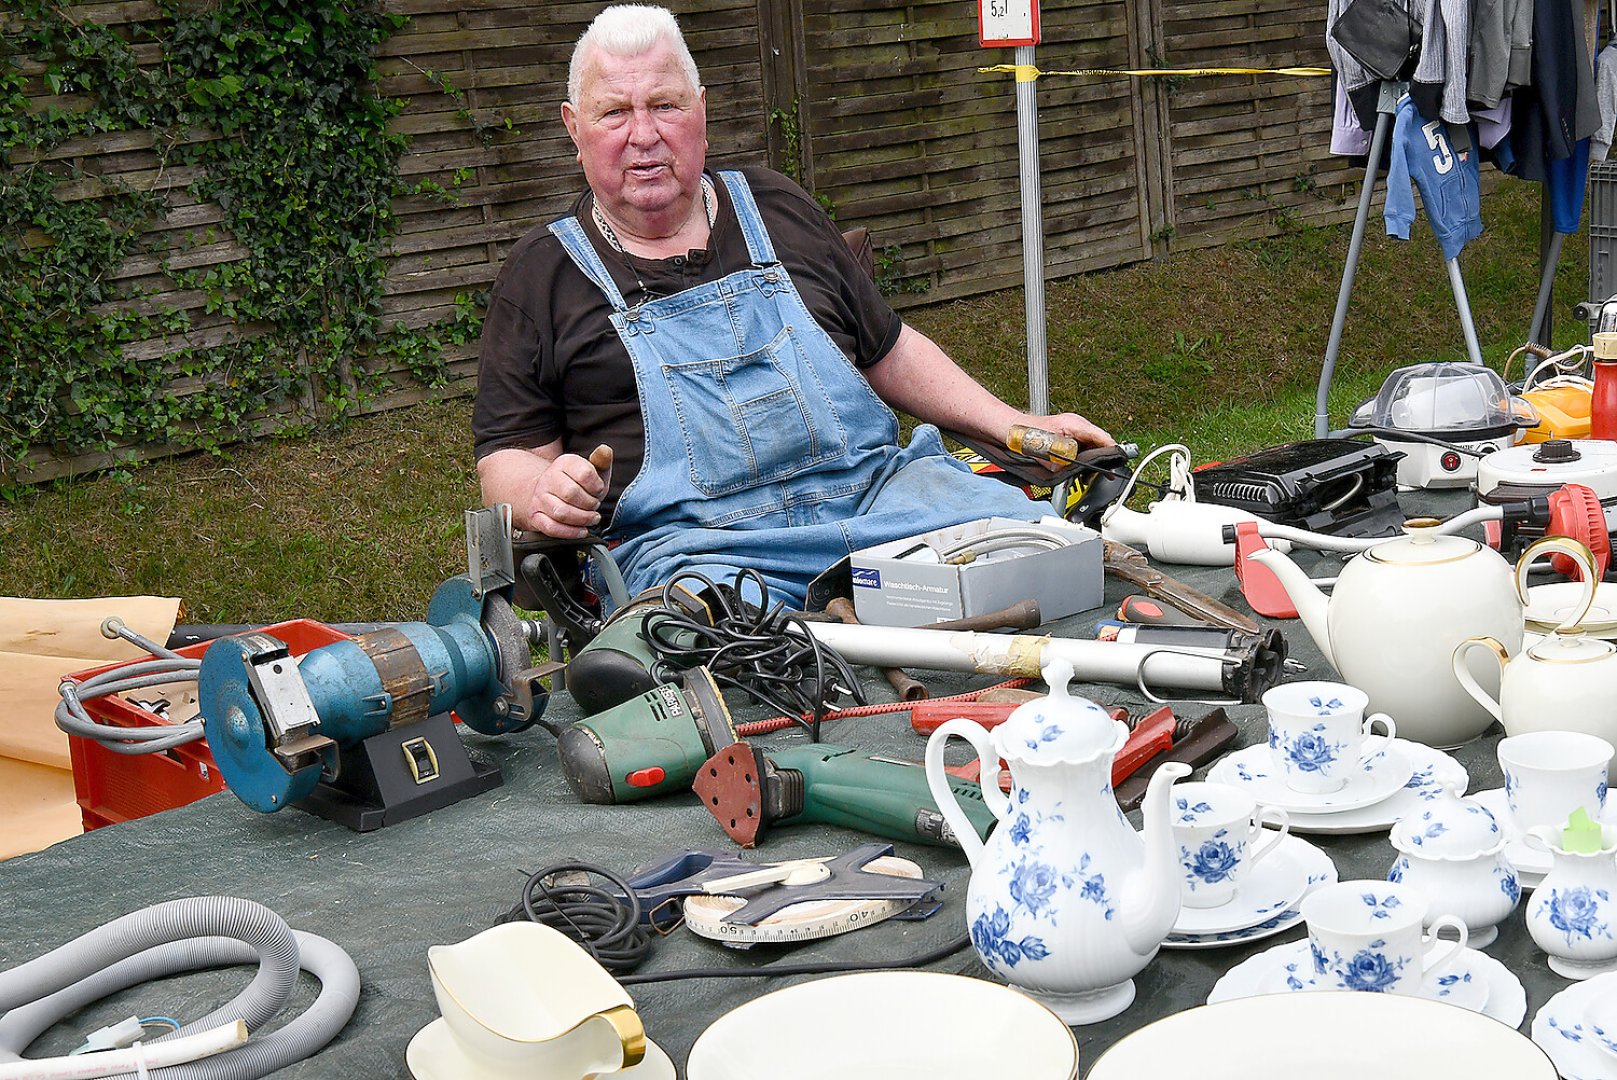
<point>1030,73</point>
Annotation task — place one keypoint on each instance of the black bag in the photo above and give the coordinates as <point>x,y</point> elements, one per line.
<point>1380,34</point>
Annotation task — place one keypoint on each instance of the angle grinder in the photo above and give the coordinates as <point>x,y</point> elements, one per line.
<point>649,745</point>
<point>747,792</point>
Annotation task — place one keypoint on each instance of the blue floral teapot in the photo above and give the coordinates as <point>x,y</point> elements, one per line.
<point>1066,902</point>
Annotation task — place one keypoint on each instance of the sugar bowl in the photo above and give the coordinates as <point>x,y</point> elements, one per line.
<point>1452,851</point>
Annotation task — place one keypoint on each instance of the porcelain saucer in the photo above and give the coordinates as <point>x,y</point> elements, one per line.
<point>1563,1030</point>
<point>433,1054</point>
<point>1275,884</point>
<point>1476,981</point>
<point>1432,770</point>
<point>1317,867</point>
<point>1548,604</point>
<point>1254,771</point>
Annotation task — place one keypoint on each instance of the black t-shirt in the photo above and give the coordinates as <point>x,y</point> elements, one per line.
<point>551,365</point>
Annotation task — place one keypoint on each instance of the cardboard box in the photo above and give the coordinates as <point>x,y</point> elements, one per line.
<point>906,582</point>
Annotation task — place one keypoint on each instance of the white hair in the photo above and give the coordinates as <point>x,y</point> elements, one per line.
<point>629,30</point>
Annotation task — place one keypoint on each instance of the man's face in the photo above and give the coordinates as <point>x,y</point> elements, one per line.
<point>641,133</point>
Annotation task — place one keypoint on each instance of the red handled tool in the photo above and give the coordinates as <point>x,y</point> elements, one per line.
<point>1151,735</point>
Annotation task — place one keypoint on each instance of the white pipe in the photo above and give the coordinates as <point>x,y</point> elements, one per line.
<point>1023,655</point>
<point>139,1058</point>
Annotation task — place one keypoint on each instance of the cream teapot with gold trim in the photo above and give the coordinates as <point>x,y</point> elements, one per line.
<point>1395,616</point>
<point>1565,682</point>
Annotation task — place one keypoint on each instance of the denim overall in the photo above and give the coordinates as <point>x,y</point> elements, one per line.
<point>765,446</point>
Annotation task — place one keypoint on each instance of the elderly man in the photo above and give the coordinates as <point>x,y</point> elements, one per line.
<point>714,331</point>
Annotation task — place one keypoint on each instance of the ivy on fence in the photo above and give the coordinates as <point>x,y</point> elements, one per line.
<point>269,108</point>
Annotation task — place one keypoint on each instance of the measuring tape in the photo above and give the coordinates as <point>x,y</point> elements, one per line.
<point>809,920</point>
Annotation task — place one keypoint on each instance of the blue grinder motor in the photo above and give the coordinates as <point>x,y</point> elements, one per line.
<point>286,730</point>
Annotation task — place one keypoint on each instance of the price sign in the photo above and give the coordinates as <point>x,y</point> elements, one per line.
<point>1007,22</point>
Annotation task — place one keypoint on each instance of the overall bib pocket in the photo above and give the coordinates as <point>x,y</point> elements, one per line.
<point>753,419</point>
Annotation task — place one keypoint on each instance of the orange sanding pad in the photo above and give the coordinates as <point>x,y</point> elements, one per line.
<point>730,784</point>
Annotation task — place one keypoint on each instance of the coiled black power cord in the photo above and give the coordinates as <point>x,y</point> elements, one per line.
<point>752,649</point>
<point>605,923</point>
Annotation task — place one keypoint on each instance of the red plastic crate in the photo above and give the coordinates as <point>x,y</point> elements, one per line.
<point>116,787</point>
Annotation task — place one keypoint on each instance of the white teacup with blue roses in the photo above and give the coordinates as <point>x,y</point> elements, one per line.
<point>1220,833</point>
<point>1549,774</point>
<point>1366,935</point>
<point>1318,734</point>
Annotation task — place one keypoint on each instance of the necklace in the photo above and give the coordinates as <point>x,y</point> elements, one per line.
<point>709,207</point>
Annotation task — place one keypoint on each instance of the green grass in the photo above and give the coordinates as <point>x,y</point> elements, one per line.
<point>1218,348</point>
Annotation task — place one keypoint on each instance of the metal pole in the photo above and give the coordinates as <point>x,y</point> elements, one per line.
<point>1027,143</point>
<point>1546,285</point>
<point>1472,350</point>
<point>1378,140</point>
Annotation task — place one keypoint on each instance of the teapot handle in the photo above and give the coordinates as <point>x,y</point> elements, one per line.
<point>1468,681</point>
<point>1578,552</point>
<point>938,781</point>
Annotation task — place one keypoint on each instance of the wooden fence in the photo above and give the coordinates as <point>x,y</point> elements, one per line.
<point>878,107</point>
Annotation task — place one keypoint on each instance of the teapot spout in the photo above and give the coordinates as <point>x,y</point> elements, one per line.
<point>1305,596</point>
<point>1150,898</point>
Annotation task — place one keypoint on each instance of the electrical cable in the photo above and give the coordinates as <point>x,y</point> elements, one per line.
<point>931,956</point>
<point>751,649</point>
<point>605,924</point>
<point>1180,482</point>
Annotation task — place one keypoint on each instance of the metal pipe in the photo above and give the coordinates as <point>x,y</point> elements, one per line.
<point>1472,350</point>
<point>1027,143</point>
<point>1196,669</point>
<point>1333,345</point>
<point>1546,284</point>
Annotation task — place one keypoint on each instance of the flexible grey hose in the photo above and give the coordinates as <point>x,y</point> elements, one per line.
<point>72,718</point>
<point>296,1040</point>
<point>176,920</point>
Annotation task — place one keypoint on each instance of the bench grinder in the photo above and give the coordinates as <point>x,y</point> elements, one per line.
<point>358,730</point>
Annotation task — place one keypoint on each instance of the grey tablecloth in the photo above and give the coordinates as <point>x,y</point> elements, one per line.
<point>387,896</point>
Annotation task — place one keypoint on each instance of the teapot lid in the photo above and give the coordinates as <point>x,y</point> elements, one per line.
<point>1423,545</point>
<point>1570,645</point>
<point>1058,728</point>
<point>1448,827</point>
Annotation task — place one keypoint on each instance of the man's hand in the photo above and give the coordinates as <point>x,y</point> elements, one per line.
<point>1073,426</point>
<point>567,495</point>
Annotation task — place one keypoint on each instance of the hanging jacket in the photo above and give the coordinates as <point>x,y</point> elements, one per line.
<point>1449,181</point>
<point>1501,49</point>
<point>1445,42</point>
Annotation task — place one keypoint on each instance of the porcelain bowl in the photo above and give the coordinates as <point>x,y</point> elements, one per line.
<point>886,1025</point>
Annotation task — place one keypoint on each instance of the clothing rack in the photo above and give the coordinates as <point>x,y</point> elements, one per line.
<point>1386,105</point>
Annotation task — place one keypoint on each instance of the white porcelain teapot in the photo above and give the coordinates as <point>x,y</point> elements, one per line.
<point>1566,682</point>
<point>1393,620</point>
<point>1066,902</point>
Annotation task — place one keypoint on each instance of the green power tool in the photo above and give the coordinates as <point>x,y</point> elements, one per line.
<point>748,791</point>
<point>649,745</point>
<point>618,663</point>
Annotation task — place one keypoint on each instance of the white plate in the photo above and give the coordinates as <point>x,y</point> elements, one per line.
<point>1547,605</point>
<point>1331,1035</point>
<point>433,1054</point>
<point>1562,1029</point>
<point>1276,883</point>
<point>1432,769</point>
<point>1600,1020</point>
<point>1253,770</point>
<point>1470,984</point>
<point>882,1025</point>
<point>1320,871</point>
